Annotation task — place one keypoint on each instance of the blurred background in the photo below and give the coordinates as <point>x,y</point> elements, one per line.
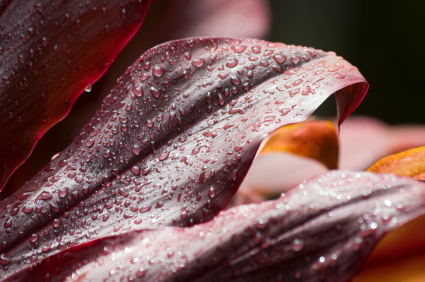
<point>384,39</point>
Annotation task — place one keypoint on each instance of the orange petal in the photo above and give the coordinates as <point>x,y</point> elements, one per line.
<point>408,270</point>
<point>408,163</point>
<point>400,256</point>
<point>313,139</point>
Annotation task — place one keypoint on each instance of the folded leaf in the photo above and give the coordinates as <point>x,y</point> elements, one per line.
<point>408,163</point>
<point>313,139</point>
<point>321,230</point>
<point>51,50</point>
<point>172,142</point>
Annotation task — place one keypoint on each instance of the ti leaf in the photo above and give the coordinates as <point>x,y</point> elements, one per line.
<point>172,142</point>
<point>50,51</point>
<point>321,230</point>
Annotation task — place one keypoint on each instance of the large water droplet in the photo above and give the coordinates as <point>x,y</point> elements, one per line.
<point>34,237</point>
<point>198,62</point>
<point>280,59</point>
<point>158,71</point>
<point>135,169</point>
<point>232,63</point>
<point>211,192</point>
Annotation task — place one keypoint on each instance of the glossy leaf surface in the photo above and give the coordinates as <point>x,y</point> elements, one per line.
<point>51,50</point>
<point>313,139</point>
<point>408,163</point>
<point>171,143</point>
<point>321,230</point>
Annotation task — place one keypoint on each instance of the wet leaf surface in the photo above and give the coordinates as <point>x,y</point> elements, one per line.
<point>317,140</point>
<point>51,51</point>
<point>171,143</point>
<point>321,230</point>
<point>408,163</point>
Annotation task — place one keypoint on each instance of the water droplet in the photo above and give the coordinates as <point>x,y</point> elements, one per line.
<point>136,149</point>
<point>256,49</point>
<point>104,12</point>
<point>44,196</point>
<point>138,91</point>
<point>239,49</point>
<point>158,71</point>
<point>198,62</point>
<point>280,59</point>
<point>88,88</point>
<point>338,75</point>
<point>232,63</point>
<point>297,245</point>
<point>135,169</point>
<point>27,210</point>
<point>149,123</point>
<point>123,14</point>
<point>62,193</point>
<point>235,80</point>
<point>3,260</point>
<point>34,237</point>
<point>39,7</point>
<point>56,222</point>
<point>211,192</point>
<point>188,55</point>
<point>163,156</point>
<point>90,142</point>
<point>141,272</point>
<point>155,92</point>
<point>220,99</point>
<point>22,196</point>
<point>44,41</point>
<point>295,59</point>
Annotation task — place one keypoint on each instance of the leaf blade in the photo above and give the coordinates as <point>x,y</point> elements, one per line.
<point>269,241</point>
<point>58,50</point>
<point>170,145</point>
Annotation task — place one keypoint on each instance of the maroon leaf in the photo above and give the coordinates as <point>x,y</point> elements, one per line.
<point>51,50</point>
<point>172,142</point>
<point>321,230</point>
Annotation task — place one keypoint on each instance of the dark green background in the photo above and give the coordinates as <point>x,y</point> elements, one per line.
<point>384,39</point>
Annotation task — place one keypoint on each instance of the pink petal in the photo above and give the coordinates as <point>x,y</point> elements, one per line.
<point>236,18</point>
<point>364,140</point>
<point>275,173</point>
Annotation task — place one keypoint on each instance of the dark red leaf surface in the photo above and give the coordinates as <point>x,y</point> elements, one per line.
<point>50,51</point>
<point>172,142</point>
<point>321,230</point>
